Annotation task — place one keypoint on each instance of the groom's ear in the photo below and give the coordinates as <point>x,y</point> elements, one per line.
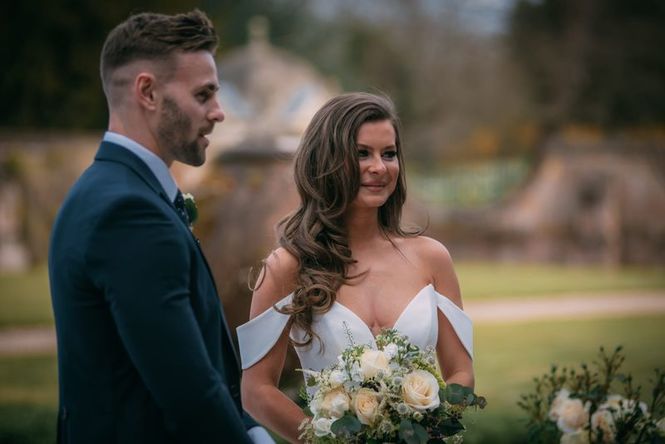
<point>144,90</point>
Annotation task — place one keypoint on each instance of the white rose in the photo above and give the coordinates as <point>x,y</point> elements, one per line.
<point>420,390</point>
<point>333,404</point>
<point>322,426</point>
<point>374,362</point>
<point>337,378</point>
<point>621,406</point>
<point>661,426</point>
<point>561,396</point>
<point>603,420</point>
<point>390,350</point>
<point>572,416</point>
<point>579,437</point>
<point>366,405</point>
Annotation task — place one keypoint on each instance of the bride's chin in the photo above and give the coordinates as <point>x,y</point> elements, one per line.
<point>367,205</point>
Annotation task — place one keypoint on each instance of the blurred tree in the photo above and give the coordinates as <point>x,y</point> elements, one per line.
<point>50,52</point>
<point>446,78</point>
<point>591,61</point>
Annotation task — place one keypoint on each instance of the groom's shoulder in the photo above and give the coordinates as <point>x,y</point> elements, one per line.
<point>106,181</point>
<point>105,192</point>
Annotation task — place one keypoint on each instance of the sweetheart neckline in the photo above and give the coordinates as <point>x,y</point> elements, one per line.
<point>399,318</point>
<point>254,344</point>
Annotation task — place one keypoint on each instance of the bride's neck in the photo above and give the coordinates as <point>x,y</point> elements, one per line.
<point>363,226</point>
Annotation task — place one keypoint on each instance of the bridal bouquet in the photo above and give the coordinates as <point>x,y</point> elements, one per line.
<point>595,405</point>
<point>393,393</point>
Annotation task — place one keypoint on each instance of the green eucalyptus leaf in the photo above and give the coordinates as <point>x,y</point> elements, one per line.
<point>455,394</point>
<point>450,427</point>
<point>412,433</point>
<point>346,425</point>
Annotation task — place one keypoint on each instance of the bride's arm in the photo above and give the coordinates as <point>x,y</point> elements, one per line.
<point>261,396</point>
<point>456,364</point>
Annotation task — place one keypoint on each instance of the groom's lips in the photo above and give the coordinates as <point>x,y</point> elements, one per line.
<point>203,135</point>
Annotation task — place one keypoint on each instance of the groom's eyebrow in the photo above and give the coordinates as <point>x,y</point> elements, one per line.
<point>212,87</point>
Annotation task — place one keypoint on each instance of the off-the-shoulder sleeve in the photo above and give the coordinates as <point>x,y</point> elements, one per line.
<point>259,335</point>
<point>460,321</point>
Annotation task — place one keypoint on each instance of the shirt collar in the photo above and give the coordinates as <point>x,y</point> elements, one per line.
<point>156,165</point>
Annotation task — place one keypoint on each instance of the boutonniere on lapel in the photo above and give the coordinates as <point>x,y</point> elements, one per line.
<point>190,208</point>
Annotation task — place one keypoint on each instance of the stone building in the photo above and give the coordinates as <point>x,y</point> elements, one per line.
<point>594,200</point>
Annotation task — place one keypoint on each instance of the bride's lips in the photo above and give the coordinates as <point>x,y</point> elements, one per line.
<point>374,186</point>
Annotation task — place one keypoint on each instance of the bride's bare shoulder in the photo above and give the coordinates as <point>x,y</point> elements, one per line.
<point>276,280</point>
<point>282,262</point>
<point>427,250</point>
<point>434,259</point>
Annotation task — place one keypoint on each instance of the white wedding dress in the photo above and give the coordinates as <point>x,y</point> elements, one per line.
<point>418,321</point>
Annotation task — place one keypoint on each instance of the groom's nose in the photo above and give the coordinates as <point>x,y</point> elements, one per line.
<point>216,113</point>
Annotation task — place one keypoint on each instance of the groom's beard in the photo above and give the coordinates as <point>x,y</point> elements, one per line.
<point>172,132</point>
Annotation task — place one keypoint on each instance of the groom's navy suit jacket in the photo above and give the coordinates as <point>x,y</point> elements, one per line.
<point>144,352</point>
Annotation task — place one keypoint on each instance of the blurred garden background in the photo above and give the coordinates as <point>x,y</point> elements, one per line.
<point>534,137</point>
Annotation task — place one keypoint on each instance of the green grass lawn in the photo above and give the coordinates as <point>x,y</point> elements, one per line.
<point>25,299</point>
<point>500,280</point>
<point>508,357</point>
<point>28,399</point>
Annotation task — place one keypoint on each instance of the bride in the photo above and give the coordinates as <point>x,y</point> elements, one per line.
<point>345,267</point>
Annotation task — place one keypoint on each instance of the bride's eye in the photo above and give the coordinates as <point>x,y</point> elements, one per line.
<point>363,153</point>
<point>390,154</point>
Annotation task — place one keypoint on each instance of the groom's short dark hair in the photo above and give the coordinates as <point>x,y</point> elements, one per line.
<point>155,37</point>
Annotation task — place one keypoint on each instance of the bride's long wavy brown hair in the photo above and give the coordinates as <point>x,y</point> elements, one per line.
<point>327,176</point>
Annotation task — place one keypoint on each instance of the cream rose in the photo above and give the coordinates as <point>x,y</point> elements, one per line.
<point>420,390</point>
<point>372,362</point>
<point>572,415</point>
<point>366,405</point>
<point>561,396</point>
<point>333,404</point>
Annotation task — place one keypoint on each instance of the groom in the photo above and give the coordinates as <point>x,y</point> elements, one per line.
<point>144,352</point>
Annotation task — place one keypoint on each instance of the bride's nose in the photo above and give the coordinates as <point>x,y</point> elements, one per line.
<point>377,166</point>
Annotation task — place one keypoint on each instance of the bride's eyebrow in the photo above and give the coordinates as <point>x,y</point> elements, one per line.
<point>388,147</point>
